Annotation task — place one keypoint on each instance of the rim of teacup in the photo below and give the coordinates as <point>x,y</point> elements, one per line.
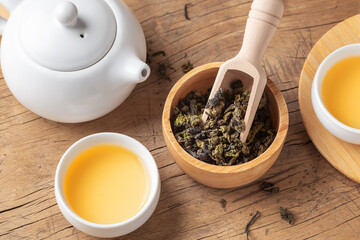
<point>323,68</point>
<point>151,169</point>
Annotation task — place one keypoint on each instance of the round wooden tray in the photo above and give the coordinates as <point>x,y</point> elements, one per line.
<point>342,155</point>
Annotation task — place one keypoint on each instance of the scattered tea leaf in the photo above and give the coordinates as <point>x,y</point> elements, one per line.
<point>218,140</point>
<point>148,54</point>
<point>158,53</point>
<point>162,71</point>
<point>287,215</point>
<point>269,187</point>
<point>223,203</point>
<point>186,14</point>
<point>252,220</point>
<point>148,59</point>
<point>187,67</point>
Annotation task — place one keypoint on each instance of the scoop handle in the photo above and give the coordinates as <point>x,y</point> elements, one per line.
<point>264,17</point>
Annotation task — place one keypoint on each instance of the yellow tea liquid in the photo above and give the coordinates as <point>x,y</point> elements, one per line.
<point>340,91</point>
<point>106,184</point>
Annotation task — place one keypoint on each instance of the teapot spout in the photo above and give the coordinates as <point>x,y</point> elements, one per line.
<point>136,70</point>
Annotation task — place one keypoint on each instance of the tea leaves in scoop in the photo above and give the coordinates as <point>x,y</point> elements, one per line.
<point>218,140</point>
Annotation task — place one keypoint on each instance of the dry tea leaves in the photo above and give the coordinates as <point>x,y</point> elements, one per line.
<point>187,67</point>
<point>252,220</point>
<point>287,215</point>
<point>223,203</point>
<point>218,140</point>
<point>186,14</point>
<point>269,187</point>
<point>148,59</point>
<point>155,54</point>
<point>163,70</point>
<point>158,53</point>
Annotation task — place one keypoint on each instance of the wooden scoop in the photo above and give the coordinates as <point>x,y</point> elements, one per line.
<point>263,20</point>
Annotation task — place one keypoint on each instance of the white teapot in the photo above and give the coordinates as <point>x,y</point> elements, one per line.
<point>74,60</point>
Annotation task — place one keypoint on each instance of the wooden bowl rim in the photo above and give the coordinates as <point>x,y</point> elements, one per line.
<point>276,144</point>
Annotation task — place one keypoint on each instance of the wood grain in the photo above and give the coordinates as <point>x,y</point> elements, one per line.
<point>326,204</point>
<point>201,79</point>
<point>342,155</point>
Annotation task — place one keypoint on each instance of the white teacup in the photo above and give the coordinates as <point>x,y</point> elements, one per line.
<point>334,126</point>
<point>121,228</point>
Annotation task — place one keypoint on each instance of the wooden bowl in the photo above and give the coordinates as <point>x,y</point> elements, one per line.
<point>201,79</point>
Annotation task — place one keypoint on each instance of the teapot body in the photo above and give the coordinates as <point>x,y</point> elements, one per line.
<point>81,95</point>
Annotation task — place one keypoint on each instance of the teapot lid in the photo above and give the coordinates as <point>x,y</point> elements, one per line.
<point>67,35</point>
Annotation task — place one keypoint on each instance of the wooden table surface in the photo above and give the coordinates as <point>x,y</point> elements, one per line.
<point>325,203</point>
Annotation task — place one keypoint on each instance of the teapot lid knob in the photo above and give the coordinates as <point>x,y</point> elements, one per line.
<point>66,13</point>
